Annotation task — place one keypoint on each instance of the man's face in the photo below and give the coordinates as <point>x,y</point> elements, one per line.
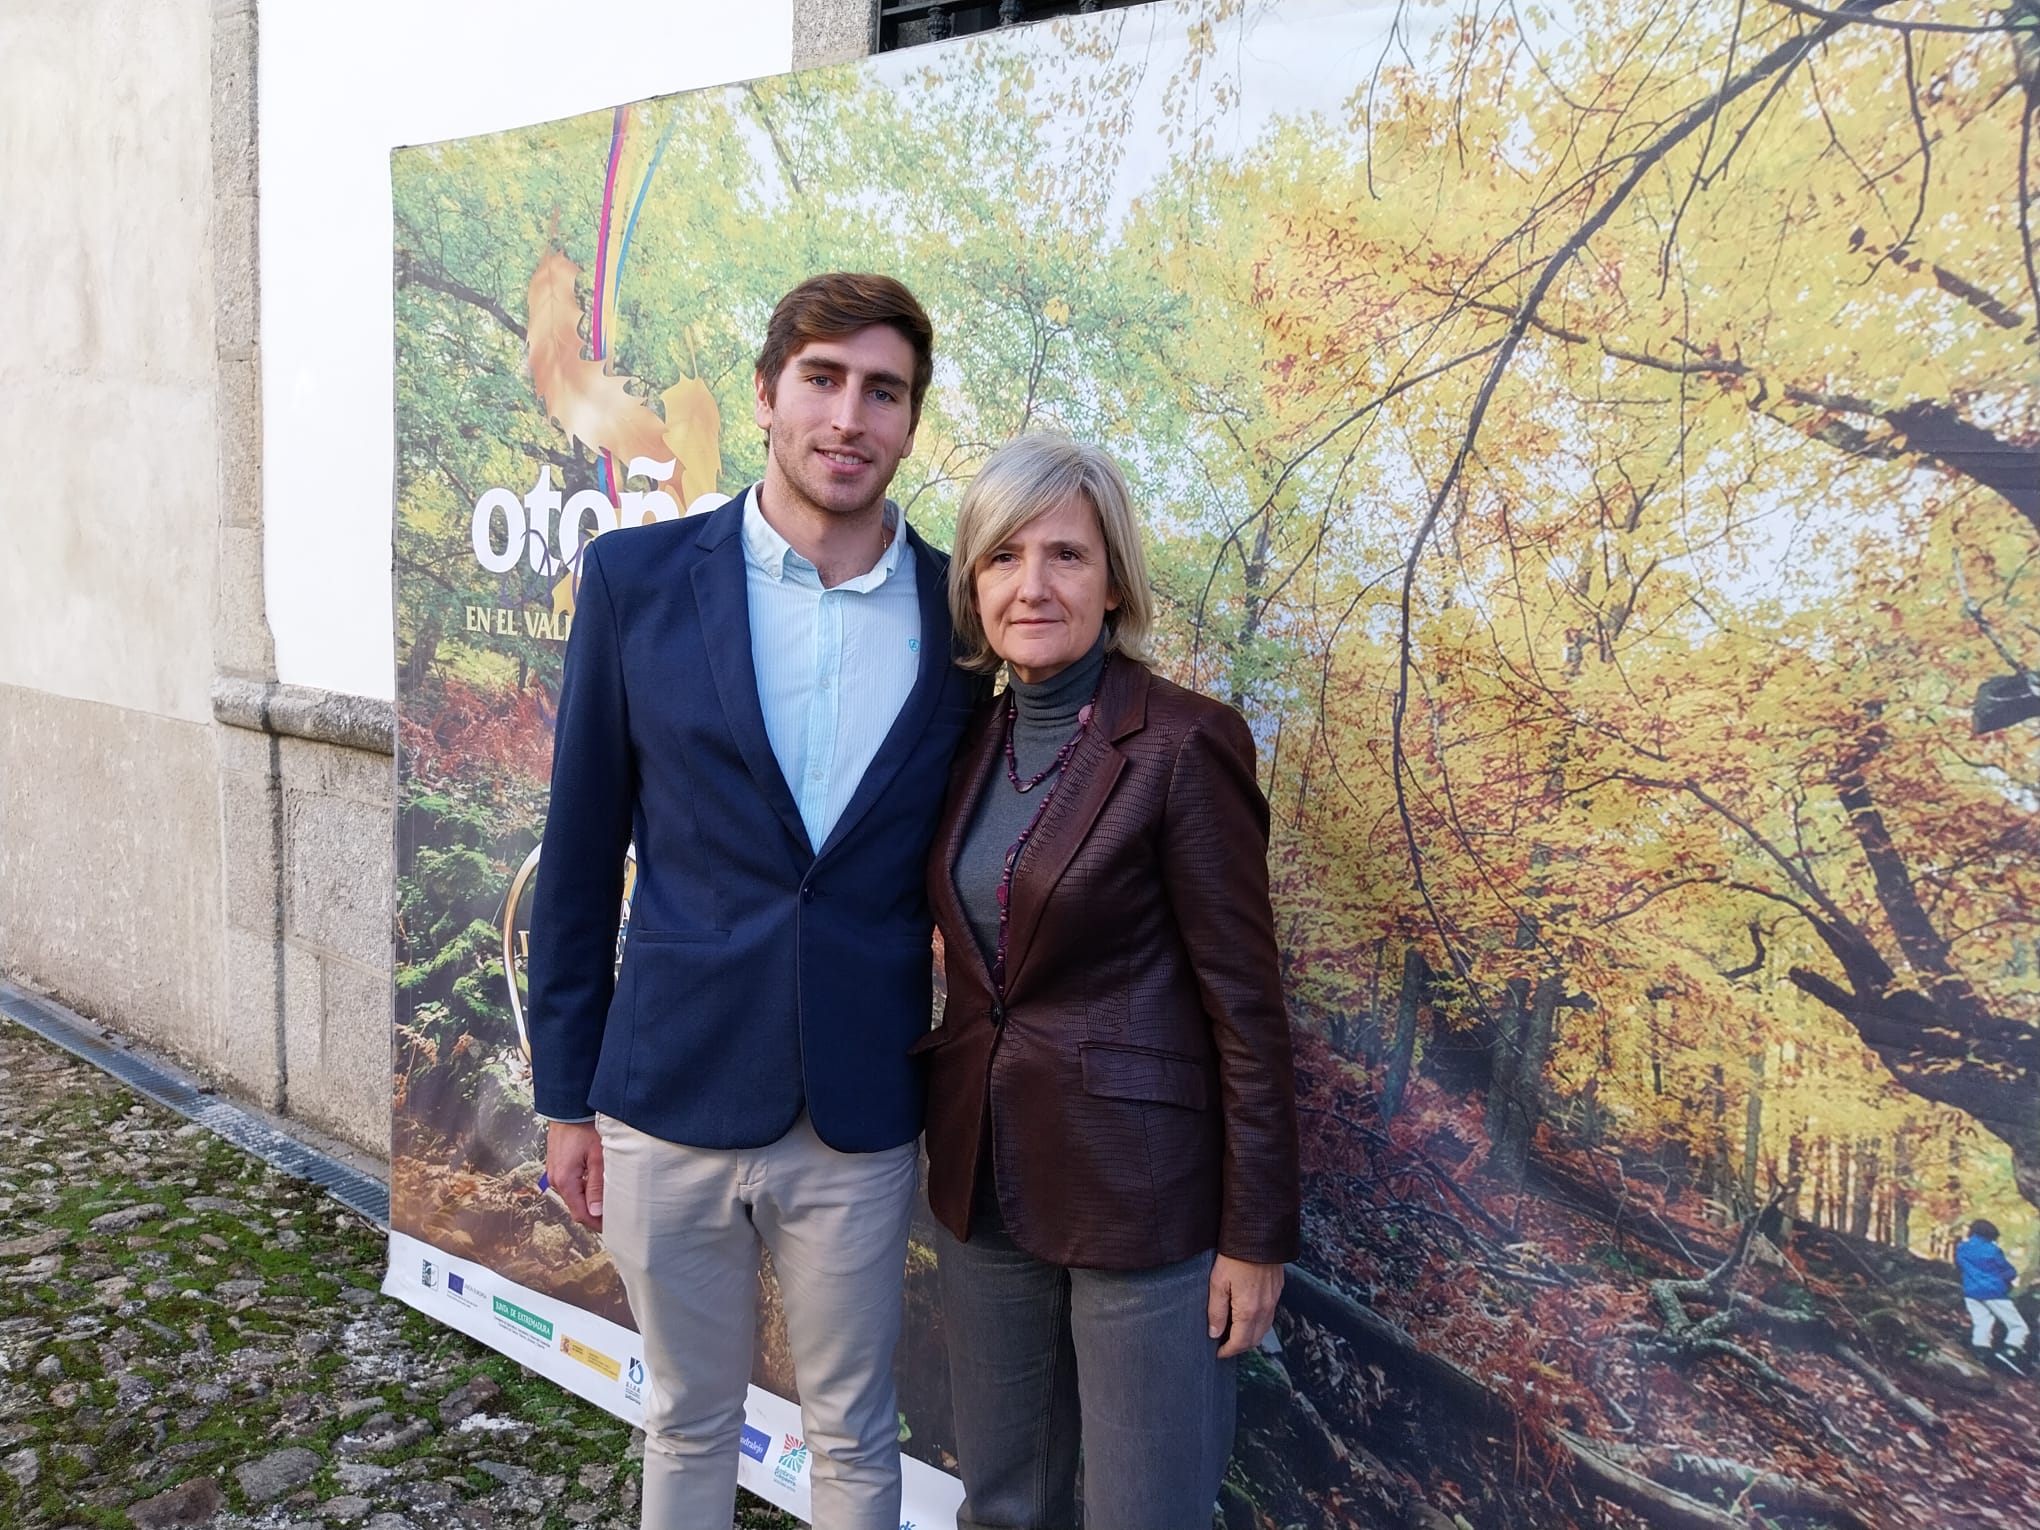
<point>841,418</point>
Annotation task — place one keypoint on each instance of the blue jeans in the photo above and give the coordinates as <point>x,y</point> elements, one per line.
<point>1045,1360</point>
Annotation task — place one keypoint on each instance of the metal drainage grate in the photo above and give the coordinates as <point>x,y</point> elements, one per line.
<point>176,1091</point>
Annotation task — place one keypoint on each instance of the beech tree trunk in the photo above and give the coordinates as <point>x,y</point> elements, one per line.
<point>1864,1198</point>
<point>1753,1132</point>
<point>1402,1047</point>
<point>1515,1097</point>
<point>1901,1208</point>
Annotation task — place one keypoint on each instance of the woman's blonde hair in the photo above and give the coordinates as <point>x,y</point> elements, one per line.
<point>1028,477</point>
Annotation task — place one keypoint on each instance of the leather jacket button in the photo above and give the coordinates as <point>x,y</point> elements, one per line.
<point>998,1014</point>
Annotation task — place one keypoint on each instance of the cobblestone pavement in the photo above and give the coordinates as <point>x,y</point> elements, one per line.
<point>189,1338</point>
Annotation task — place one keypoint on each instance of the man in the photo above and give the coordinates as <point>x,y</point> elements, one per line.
<point>763,701</point>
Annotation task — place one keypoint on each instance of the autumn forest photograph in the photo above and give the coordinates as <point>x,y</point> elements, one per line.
<point>1597,448</point>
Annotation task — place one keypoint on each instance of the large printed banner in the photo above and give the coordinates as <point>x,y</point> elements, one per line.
<point>1595,446</point>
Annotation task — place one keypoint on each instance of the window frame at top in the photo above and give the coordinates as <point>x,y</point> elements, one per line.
<point>901,24</point>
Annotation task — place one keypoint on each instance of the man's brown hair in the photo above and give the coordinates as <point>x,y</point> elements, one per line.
<point>840,303</point>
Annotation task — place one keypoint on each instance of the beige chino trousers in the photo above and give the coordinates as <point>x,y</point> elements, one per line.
<point>683,1226</point>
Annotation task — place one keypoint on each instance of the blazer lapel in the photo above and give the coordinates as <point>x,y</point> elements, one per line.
<point>972,773</point>
<point>930,588</point>
<point>1093,770</point>
<point>725,609</point>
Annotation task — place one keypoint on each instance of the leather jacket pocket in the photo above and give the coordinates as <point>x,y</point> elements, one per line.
<point>1139,1073</point>
<point>929,1040</point>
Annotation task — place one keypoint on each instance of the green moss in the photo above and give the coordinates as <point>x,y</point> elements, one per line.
<point>299,1294</point>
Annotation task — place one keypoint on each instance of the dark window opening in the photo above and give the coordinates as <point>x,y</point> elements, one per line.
<point>907,23</point>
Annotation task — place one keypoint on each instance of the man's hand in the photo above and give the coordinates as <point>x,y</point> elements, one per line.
<point>573,1166</point>
<point>1243,1297</point>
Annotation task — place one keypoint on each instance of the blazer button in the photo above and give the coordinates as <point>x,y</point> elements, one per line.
<point>807,895</point>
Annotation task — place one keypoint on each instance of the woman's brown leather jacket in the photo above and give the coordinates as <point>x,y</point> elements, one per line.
<point>1134,1080</point>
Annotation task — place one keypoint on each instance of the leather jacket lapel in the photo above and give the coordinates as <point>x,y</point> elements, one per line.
<point>1093,770</point>
<point>976,761</point>
<point>1088,780</point>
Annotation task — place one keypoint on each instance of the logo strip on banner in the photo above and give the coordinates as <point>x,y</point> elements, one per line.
<point>531,1322</point>
<point>594,1359</point>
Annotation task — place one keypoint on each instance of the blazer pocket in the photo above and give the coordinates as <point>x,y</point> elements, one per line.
<point>675,937</point>
<point>1136,1073</point>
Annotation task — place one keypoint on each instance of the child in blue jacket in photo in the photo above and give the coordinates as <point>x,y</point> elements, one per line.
<point>1987,1278</point>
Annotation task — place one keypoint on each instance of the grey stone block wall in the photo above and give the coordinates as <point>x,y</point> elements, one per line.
<point>249,1048</point>
<point>218,892</point>
<point>306,822</point>
<point>109,864</point>
<point>832,31</point>
<point>337,920</point>
<point>242,644</point>
<point>304,777</point>
<point>249,1055</point>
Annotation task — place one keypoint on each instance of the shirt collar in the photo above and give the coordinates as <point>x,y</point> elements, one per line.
<point>769,552</point>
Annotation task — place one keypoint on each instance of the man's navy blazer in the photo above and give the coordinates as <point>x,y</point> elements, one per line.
<point>759,974</point>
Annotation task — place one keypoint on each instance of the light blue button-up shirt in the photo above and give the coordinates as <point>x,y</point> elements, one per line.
<point>834,665</point>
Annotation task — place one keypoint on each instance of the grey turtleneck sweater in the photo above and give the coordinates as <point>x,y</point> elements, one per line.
<point>1046,717</point>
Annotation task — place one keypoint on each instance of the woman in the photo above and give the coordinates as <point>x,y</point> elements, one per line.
<point>1111,1124</point>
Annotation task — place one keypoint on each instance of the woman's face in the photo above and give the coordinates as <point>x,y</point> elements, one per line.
<point>1044,592</point>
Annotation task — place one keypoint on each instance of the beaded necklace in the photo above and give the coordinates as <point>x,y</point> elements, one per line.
<point>1053,768</point>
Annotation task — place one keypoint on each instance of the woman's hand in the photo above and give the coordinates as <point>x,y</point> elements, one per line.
<point>1243,1297</point>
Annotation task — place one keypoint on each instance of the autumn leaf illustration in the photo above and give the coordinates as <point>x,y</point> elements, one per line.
<point>692,436</point>
<point>593,406</point>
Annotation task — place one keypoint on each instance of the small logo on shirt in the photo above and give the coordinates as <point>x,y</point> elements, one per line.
<point>913,645</point>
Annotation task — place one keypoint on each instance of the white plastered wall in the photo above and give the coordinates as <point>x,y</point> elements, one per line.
<point>341,85</point>
<point>106,353</point>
